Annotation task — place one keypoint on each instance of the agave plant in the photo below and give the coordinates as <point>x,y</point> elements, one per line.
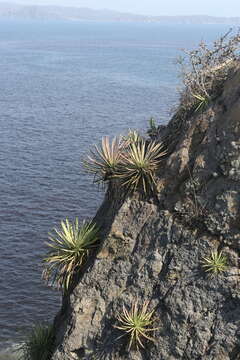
<point>215,263</point>
<point>103,161</point>
<point>201,102</point>
<point>133,137</point>
<point>136,324</point>
<point>139,164</point>
<point>69,247</point>
<point>38,344</point>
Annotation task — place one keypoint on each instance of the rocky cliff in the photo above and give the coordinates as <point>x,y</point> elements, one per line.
<point>153,250</point>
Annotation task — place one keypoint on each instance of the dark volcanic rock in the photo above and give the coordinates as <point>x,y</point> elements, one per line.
<point>152,250</point>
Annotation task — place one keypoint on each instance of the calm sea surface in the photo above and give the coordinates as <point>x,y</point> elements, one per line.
<point>62,87</point>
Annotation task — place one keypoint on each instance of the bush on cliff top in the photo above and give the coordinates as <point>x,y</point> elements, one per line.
<point>206,68</point>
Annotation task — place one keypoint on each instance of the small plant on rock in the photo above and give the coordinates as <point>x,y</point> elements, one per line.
<point>215,263</point>
<point>38,344</point>
<point>136,323</point>
<point>137,170</point>
<point>152,131</point>
<point>201,102</point>
<point>69,248</point>
<point>104,160</point>
<point>133,137</point>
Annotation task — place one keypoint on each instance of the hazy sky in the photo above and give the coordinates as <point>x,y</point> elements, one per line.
<point>151,7</point>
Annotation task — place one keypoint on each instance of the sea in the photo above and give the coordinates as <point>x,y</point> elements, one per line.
<point>63,86</point>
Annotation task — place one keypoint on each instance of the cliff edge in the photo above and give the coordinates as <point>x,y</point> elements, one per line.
<point>154,249</point>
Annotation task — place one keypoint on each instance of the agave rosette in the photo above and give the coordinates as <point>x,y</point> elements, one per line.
<point>215,263</point>
<point>69,248</point>
<point>136,324</point>
<point>133,137</point>
<point>104,160</point>
<point>138,166</point>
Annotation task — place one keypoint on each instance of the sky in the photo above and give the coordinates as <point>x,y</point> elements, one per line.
<point>150,7</point>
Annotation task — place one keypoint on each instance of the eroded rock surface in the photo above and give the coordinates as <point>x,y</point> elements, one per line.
<point>152,250</point>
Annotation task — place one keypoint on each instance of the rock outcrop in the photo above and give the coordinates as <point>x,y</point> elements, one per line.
<point>152,249</point>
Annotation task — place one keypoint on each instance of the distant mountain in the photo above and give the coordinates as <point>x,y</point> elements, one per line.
<point>58,12</point>
<point>78,14</point>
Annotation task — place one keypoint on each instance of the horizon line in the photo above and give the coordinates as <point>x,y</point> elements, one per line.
<point>115,11</point>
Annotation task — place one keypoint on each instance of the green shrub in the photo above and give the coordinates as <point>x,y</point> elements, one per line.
<point>69,248</point>
<point>138,166</point>
<point>39,344</point>
<point>136,323</point>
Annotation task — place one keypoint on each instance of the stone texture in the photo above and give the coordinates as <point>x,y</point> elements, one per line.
<point>152,250</point>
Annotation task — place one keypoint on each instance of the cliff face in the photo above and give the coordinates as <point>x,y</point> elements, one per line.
<point>153,250</point>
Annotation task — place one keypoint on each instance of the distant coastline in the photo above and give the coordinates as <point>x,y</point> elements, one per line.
<point>14,11</point>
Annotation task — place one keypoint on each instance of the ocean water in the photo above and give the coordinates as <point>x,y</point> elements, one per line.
<point>63,86</point>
